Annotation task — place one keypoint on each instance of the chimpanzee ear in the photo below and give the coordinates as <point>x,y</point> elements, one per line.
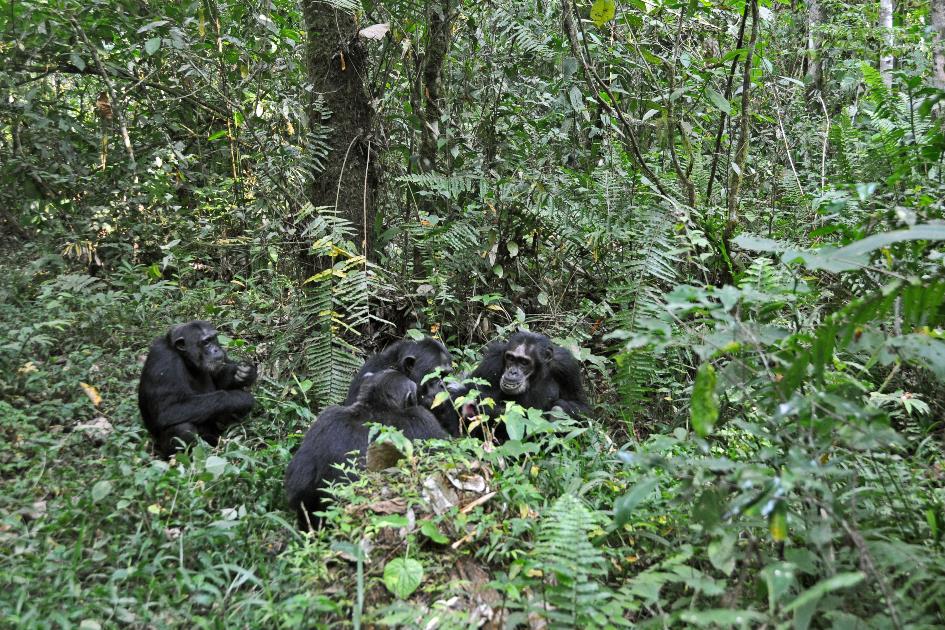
<point>547,353</point>
<point>407,363</point>
<point>176,337</point>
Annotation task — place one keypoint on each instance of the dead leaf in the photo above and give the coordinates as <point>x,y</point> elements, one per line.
<point>92,393</point>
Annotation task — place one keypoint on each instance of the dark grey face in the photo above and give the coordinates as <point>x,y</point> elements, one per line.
<point>519,368</point>
<point>197,343</point>
<point>388,390</point>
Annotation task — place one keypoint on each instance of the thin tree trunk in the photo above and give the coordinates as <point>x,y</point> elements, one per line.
<point>886,26</point>
<point>335,61</point>
<point>815,20</point>
<point>439,19</point>
<point>938,23</point>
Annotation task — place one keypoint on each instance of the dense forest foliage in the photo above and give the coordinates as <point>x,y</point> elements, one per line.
<point>729,211</point>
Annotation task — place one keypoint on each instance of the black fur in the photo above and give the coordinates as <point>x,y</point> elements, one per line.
<point>414,359</point>
<point>555,379</point>
<point>189,388</point>
<point>388,398</point>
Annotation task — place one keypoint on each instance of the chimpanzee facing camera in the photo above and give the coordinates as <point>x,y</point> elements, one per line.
<point>189,388</point>
<point>387,397</point>
<point>530,370</point>
<point>415,360</point>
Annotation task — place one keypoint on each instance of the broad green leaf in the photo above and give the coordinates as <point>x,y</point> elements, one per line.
<point>439,399</point>
<point>77,61</point>
<point>514,421</point>
<point>101,490</point>
<point>151,46</point>
<point>624,506</point>
<point>402,576</point>
<point>603,11</point>
<point>718,100</point>
<point>428,528</point>
<point>721,553</point>
<point>779,578</point>
<point>704,406</point>
<point>543,298</point>
<point>577,98</point>
<point>649,114</point>
<point>151,26</point>
<point>919,350</point>
<point>512,246</point>
<point>849,258</point>
<point>215,465</point>
<point>841,580</point>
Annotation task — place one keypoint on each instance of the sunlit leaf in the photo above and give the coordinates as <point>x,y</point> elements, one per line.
<point>603,11</point>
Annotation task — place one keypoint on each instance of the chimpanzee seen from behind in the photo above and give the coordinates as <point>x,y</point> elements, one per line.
<point>387,397</point>
<point>415,360</point>
<point>189,388</point>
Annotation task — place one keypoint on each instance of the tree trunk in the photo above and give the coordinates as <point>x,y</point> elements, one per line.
<point>815,20</point>
<point>438,44</point>
<point>938,23</point>
<point>886,26</point>
<point>336,61</point>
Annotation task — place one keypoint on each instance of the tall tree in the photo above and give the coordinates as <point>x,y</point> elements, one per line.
<point>336,61</point>
<point>886,26</point>
<point>938,23</point>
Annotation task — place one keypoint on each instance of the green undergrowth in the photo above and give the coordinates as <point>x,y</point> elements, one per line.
<point>788,500</point>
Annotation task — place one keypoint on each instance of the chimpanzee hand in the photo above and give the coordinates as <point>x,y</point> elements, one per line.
<point>245,374</point>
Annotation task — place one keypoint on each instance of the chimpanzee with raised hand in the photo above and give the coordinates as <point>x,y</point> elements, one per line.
<point>189,388</point>
<point>530,370</point>
<point>387,397</point>
<point>424,362</point>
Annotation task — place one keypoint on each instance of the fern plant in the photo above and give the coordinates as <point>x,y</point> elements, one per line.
<point>574,592</point>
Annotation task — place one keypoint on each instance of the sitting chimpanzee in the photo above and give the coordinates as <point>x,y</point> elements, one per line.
<point>189,388</point>
<point>415,360</point>
<point>387,397</point>
<point>532,371</point>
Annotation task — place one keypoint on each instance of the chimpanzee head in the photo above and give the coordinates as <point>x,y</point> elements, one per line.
<point>422,358</point>
<point>526,360</point>
<point>197,343</point>
<point>387,390</point>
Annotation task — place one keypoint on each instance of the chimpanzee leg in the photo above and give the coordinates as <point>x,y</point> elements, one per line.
<point>172,437</point>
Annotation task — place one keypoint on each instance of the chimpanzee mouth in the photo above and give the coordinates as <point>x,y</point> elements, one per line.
<point>513,388</point>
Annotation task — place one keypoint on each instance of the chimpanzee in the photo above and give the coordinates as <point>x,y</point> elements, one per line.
<point>533,372</point>
<point>387,397</point>
<point>189,388</point>
<point>415,359</point>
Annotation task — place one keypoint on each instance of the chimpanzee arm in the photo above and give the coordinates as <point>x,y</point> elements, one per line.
<point>201,408</point>
<point>234,375</point>
<point>567,373</point>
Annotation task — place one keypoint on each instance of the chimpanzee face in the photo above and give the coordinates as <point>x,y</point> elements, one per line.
<point>388,390</point>
<point>197,343</point>
<point>524,362</point>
